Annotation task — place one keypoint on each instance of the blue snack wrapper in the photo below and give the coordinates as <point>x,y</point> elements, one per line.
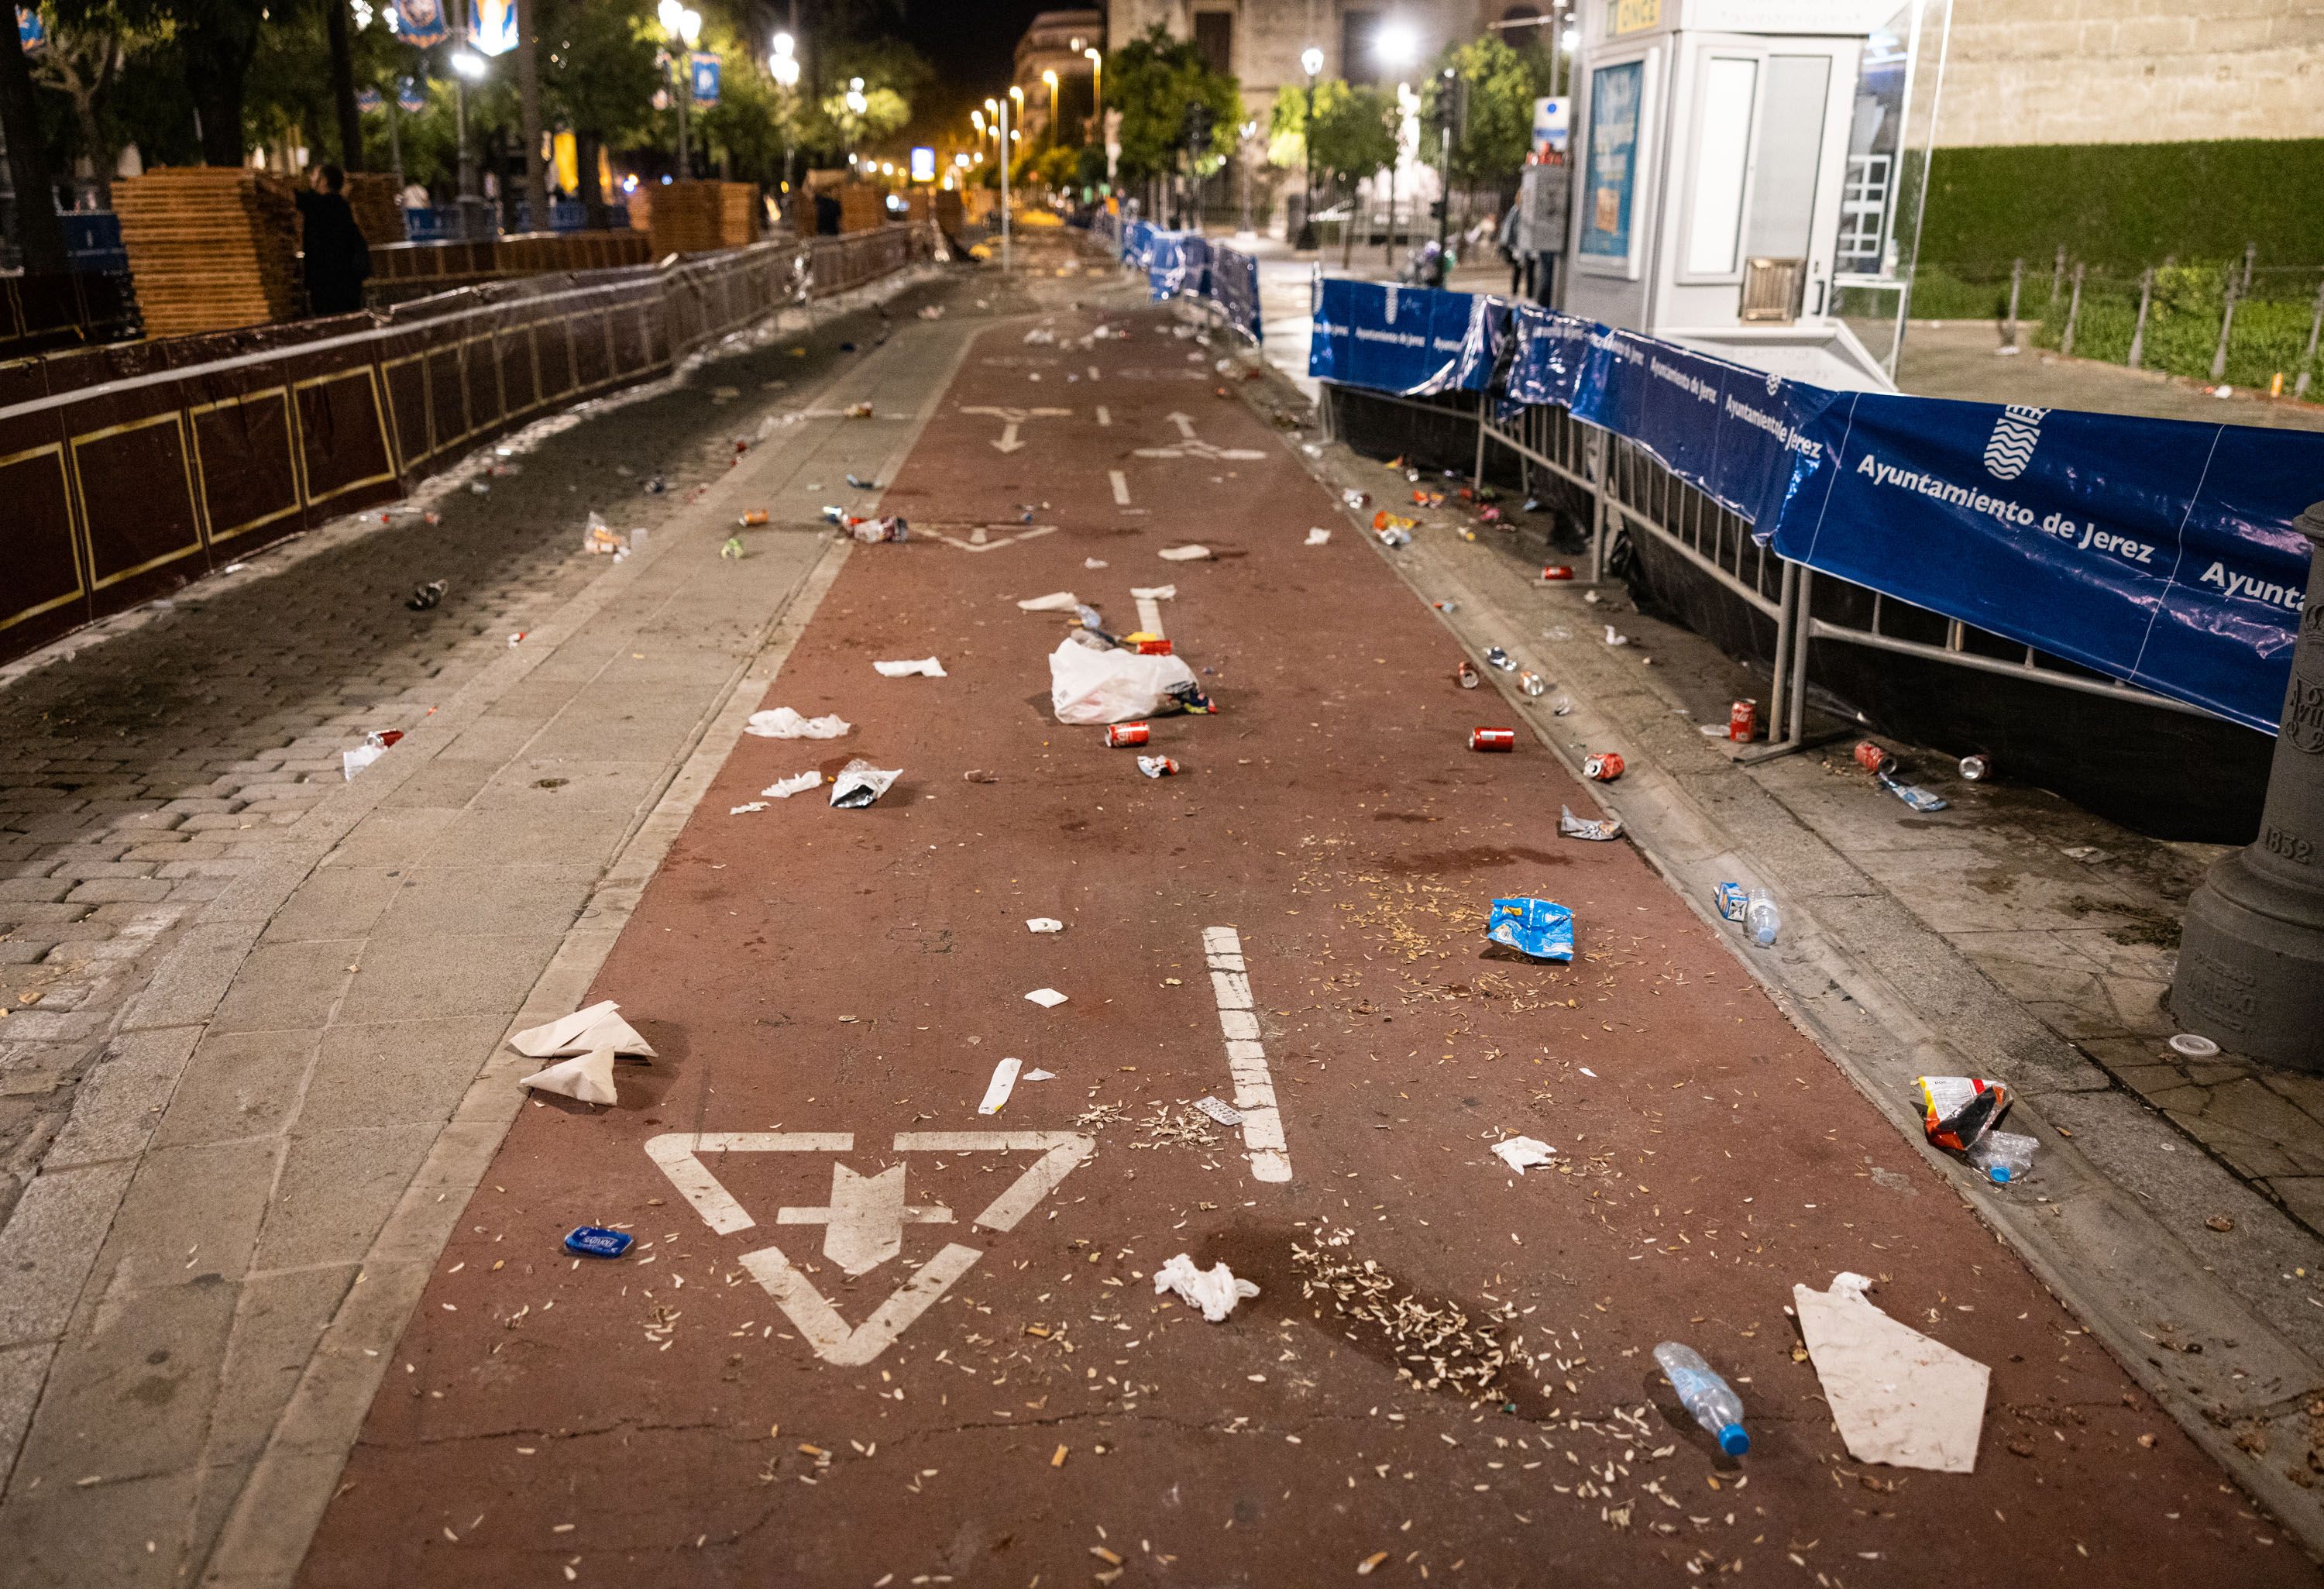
<point>595,1241</point>
<point>1731,901</point>
<point>1533,926</point>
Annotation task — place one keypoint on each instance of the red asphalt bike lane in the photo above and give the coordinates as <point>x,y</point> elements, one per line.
<point>870,1338</point>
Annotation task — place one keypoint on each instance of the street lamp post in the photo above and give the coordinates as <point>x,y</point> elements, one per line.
<point>999,109</point>
<point>1049,76</point>
<point>1448,88</point>
<point>467,64</point>
<point>682,26</point>
<point>1311,61</point>
<point>783,62</point>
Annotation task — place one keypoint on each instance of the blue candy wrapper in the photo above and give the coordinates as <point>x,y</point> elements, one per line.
<point>1533,926</point>
<point>595,1241</point>
<point>1731,901</point>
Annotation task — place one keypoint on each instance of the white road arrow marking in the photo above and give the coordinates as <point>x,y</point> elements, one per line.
<point>1149,614</point>
<point>1011,417</point>
<point>864,1221</point>
<point>1191,445</point>
<point>1185,423</point>
<point>981,538</point>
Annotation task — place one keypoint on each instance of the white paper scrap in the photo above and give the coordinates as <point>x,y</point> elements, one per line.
<point>925,667</point>
<point>753,805</point>
<point>1615,637</point>
<point>782,788</point>
<point>588,1078</point>
<point>1153,593</point>
<point>1047,998</point>
<point>1318,536</point>
<point>783,723</point>
<point>1039,1075</point>
<point>1093,562</point>
<point>1214,1290</point>
<point>1897,1396</point>
<point>996,1092</point>
<point>1522,1153</point>
<point>599,1026</point>
<point>1044,924</point>
<point>1184,554</point>
<point>1056,601</point>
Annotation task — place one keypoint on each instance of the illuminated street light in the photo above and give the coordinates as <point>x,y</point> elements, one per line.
<point>1396,44</point>
<point>468,64</point>
<point>856,102</point>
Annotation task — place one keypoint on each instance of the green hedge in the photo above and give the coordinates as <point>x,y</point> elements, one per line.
<point>2126,205</point>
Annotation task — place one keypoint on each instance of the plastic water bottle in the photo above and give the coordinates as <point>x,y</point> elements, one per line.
<point>2003,1156</point>
<point>1711,1398</point>
<point>1762,917</point>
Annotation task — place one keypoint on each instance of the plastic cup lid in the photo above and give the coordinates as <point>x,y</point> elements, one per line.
<point>1734,1440</point>
<point>2193,1045</point>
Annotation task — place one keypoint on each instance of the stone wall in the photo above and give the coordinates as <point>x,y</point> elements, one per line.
<point>2133,72</point>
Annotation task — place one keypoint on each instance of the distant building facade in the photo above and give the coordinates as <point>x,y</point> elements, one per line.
<point>1259,42</point>
<point>1054,42</point>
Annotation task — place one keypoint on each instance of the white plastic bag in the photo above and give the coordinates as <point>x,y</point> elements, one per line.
<point>1089,686</point>
<point>1214,1290</point>
<point>783,723</point>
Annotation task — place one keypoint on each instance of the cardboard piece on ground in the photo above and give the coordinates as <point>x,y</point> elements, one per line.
<point>1897,1396</point>
<point>589,1077</point>
<point>599,1026</point>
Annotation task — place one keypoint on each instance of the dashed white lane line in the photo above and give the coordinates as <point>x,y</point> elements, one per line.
<point>1120,487</point>
<point>1149,614</point>
<point>1254,1085</point>
<point>1103,417</point>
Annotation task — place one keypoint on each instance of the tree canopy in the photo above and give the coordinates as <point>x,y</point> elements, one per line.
<point>1153,80</point>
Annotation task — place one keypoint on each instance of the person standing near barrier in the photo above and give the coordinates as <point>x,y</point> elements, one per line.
<point>338,259</point>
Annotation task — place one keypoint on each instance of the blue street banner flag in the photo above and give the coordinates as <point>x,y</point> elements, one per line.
<point>492,26</point>
<point>410,97</point>
<point>30,30</point>
<point>369,101</point>
<point>422,22</point>
<point>702,75</point>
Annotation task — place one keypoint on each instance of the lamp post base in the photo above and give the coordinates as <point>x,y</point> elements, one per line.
<point>2251,966</point>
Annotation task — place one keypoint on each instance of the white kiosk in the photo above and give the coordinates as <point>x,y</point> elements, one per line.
<point>1714,192</point>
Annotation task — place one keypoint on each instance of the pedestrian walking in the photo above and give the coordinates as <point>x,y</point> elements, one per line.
<point>338,259</point>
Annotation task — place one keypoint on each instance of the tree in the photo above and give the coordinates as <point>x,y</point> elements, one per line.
<point>343,84</point>
<point>1502,85</point>
<point>219,39</point>
<point>40,234</point>
<point>1153,82</point>
<point>601,79</point>
<point>89,49</point>
<point>1354,133</point>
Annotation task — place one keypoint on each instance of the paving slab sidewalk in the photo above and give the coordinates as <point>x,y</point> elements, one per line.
<point>221,1240</point>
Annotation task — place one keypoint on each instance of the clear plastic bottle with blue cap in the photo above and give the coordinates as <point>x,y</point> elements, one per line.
<point>2002,1157</point>
<point>1711,1400</point>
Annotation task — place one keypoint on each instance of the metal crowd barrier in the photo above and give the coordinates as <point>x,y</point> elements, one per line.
<point>128,470</point>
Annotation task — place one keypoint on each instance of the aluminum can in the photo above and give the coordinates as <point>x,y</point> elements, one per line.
<point>1604,766</point>
<point>1870,756</point>
<point>1122,734</point>
<point>1466,674</point>
<point>1977,769</point>
<point>1492,739</point>
<point>1557,571</point>
<point>1743,721</point>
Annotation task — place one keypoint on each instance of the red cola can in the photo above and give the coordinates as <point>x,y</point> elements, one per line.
<point>1870,756</point>
<point>1605,767</point>
<point>1492,739</point>
<point>1557,571</point>
<point>1743,721</point>
<point>1122,734</point>
<point>1157,646</point>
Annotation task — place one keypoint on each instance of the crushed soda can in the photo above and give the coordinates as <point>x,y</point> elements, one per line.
<point>1157,766</point>
<point>1467,676</point>
<point>1428,499</point>
<point>1446,606</point>
<point>1499,659</point>
<point>1537,928</point>
<point>1743,722</point>
<point>1121,734</point>
<point>1605,766</point>
<point>1492,739</point>
<point>595,1241</point>
<point>1600,828</point>
<point>1956,1111</point>
<point>1555,572</point>
<point>1147,645</point>
<point>1870,756</point>
<point>1977,769</point>
<point>1731,901</point>
<point>1533,683</point>
<point>752,518</point>
<point>873,532</point>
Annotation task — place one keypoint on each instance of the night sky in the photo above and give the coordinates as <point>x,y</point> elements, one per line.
<point>971,44</point>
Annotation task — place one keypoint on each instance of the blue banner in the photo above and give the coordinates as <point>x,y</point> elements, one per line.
<point>2157,551</point>
<point>419,23</point>
<point>1234,282</point>
<point>1415,340</point>
<point>1177,263</point>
